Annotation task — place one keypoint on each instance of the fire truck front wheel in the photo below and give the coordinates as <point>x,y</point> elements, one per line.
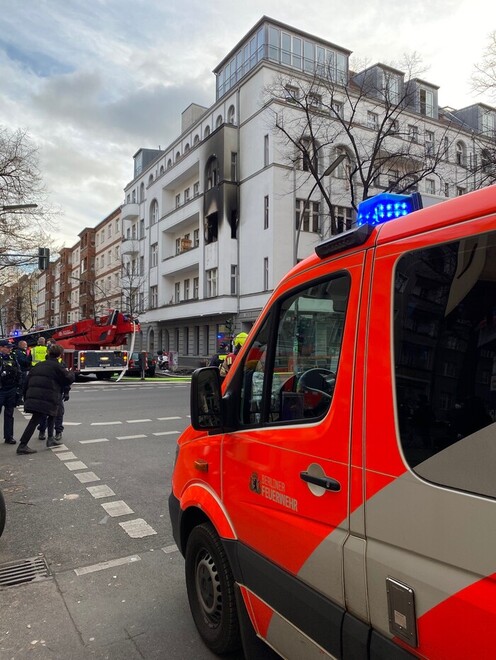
<point>210,586</point>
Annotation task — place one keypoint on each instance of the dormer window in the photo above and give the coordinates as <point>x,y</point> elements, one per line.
<point>426,102</point>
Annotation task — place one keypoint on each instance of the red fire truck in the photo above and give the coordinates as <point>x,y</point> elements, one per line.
<point>92,346</point>
<point>335,496</point>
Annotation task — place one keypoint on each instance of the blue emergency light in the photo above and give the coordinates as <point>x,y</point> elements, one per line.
<point>387,206</point>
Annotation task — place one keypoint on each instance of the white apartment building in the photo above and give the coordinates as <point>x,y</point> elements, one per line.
<point>211,223</point>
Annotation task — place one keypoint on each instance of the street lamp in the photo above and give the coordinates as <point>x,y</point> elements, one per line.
<point>18,207</point>
<point>335,163</point>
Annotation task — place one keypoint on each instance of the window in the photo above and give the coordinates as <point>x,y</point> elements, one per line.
<point>211,282</point>
<point>196,287</point>
<point>461,154</point>
<point>446,190</point>
<point>230,115</point>
<point>372,120</point>
<point>444,396</point>
<point>196,189</point>
<point>294,382</point>
<point>234,166</point>
<point>460,190</point>
<point>337,109</point>
<point>266,212</point>
<point>426,97</point>
<point>186,195</point>
<point>218,122</point>
<point>206,132</point>
<point>314,100</point>
<point>292,94</point>
<point>186,290</point>
<point>234,279</point>
<point>430,186</point>
<point>196,237</point>
<point>488,123</point>
<point>178,245</point>
<point>142,192</point>
<point>178,201</point>
<point>153,212</point>
<point>266,150</point>
<point>310,220</point>
<point>142,228</point>
<point>307,156</point>
<point>344,218</point>
<point>413,133</point>
<point>153,297</point>
<point>429,143</point>
<point>211,173</point>
<point>177,292</point>
<point>391,87</point>
<point>196,140</point>
<point>266,274</point>
<point>154,255</point>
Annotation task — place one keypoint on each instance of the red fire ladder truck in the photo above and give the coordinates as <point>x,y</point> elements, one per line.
<point>92,346</point>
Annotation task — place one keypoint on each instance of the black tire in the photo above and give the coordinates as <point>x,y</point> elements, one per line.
<point>211,595</point>
<point>3,513</point>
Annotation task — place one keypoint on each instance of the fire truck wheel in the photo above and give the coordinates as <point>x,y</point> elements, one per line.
<point>210,586</point>
<point>2,513</point>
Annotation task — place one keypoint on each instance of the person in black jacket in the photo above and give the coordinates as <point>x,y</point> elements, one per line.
<point>44,386</point>
<point>9,382</point>
<point>24,361</point>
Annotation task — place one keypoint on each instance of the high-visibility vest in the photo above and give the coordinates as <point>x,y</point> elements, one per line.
<point>38,353</point>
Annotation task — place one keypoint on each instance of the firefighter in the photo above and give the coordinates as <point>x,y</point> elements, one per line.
<point>239,340</point>
<point>39,352</point>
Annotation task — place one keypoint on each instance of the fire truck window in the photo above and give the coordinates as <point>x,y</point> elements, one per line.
<point>445,362</point>
<point>291,378</point>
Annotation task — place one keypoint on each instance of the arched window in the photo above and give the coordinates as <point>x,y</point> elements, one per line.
<point>211,173</point>
<point>169,163</point>
<point>230,115</point>
<point>187,148</point>
<point>461,153</point>
<point>206,133</point>
<point>196,139</point>
<point>218,121</point>
<point>161,170</point>
<point>142,192</point>
<point>178,155</point>
<point>153,212</point>
<point>150,179</point>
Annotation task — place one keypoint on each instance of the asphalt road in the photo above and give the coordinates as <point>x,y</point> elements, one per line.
<point>96,513</point>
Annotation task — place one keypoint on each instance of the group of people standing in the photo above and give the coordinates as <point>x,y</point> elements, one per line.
<point>38,379</point>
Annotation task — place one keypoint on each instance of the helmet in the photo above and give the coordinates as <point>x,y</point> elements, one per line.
<point>240,339</point>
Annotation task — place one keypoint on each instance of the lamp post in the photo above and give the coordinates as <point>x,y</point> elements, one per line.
<point>17,207</point>
<point>335,163</point>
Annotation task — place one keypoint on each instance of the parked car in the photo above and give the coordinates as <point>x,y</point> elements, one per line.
<point>134,365</point>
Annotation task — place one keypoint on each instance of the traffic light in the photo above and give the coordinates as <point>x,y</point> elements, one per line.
<point>43,258</point>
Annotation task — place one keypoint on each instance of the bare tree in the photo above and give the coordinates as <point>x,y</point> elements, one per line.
<point>19,301</point>
<point>484,76</point>
<point>385,143</point>
<point>22,229</point>
<point>133,283</point>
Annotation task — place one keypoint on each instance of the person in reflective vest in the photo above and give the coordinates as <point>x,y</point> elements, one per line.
<point>38,352</point>
<point>239,340</point>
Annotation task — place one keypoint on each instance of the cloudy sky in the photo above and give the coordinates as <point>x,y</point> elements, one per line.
<point>92,81</point>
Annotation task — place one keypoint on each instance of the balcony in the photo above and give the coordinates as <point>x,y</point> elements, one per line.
<point>129,246</point>
<point>130,211</point>
<point>183,261</point>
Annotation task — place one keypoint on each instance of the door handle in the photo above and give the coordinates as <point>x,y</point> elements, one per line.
<point>324,482</point>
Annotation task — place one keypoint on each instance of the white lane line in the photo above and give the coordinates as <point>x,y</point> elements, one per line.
<point>87,442</point>
<point>106,564</point>
<point>72,423</point>
<point>118,508</point>
<point>170,548</point>
<point>76,465</point>
<point>100,491</point>
<point>166,419</point>
<point>167,433</point>
<point>86,477</point>
<point>137,421</point>
<point>129,437</point>
<point>138,528</point>
<point>104,423</point>
<point>59,448</point>
<point>66,456</point>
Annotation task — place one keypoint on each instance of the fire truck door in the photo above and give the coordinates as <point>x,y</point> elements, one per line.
<point>286,469</point>
<point>430,507</point>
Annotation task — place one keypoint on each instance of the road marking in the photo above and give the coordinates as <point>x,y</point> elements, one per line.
<point>106,564</point>
<point>100,491</point>
<point>87,442</point>
<point>137,529</point>
<point>59,448</point>
<point>170,548</point>
<point>118,508</point>
<point>104,423</point>
<point>76,465</point>
<point>72,423</point>
<point>166,419</point>
<point>167,432</point>
<point>129,437</point>
<point>86,477</point>
<point>66,456</point>
<point>137,421</point>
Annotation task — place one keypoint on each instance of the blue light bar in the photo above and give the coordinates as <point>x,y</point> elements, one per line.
<point>387,206</point>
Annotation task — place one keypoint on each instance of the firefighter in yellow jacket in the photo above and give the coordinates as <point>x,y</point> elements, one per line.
<point>239,340</point>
